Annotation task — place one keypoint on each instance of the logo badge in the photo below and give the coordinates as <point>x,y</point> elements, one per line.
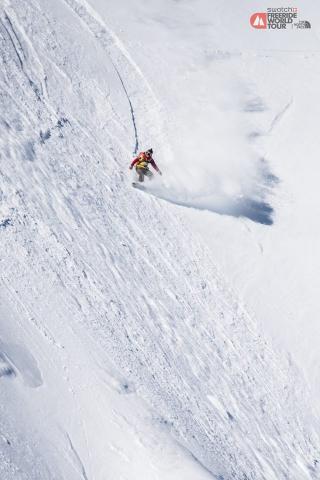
<point>258,20</point>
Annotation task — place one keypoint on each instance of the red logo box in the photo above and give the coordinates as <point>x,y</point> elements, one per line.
<point>258,20</point>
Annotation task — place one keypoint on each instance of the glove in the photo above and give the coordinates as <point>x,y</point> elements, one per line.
<point>159,171</point>
<point>130,168</point>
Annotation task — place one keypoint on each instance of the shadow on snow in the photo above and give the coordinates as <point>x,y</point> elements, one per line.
<point>257,211</point>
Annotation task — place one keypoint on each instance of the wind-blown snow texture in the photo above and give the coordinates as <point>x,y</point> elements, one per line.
<point>95,273</point>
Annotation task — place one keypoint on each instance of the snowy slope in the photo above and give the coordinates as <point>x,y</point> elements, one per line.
<point>248,97</point>
<point>124,352</point>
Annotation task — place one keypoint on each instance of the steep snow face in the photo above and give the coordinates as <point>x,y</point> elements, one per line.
<point>206,96</point>
<point>242,124</point>
<point>119,337</point>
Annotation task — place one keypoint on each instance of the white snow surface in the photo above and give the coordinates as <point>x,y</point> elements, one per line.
<point>169,333</point>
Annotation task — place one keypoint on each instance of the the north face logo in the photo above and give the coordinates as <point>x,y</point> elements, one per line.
<point>258,20</point>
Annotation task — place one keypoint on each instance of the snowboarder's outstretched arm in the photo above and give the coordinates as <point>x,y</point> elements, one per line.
<point>134,161</point>
<point>155,166</point>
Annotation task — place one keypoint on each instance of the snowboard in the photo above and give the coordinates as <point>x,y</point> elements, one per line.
<point>138,185</point>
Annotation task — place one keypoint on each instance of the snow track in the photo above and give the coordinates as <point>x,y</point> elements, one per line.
<point>129,70</point>
<point>95,273</point>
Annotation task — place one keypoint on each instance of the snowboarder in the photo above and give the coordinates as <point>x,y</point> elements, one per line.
<point>141,162</point>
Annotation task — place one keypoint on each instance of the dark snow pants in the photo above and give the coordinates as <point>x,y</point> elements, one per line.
<point>142,172</point>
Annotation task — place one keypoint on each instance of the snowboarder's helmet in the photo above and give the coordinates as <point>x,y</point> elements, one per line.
<point>150,151</point>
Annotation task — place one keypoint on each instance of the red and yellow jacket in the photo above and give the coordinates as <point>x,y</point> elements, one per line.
<point>143,161</point>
